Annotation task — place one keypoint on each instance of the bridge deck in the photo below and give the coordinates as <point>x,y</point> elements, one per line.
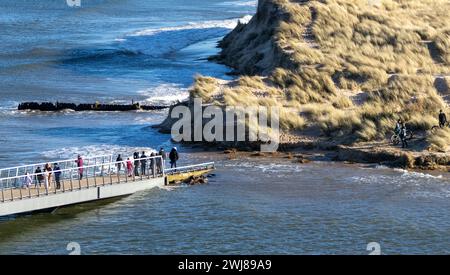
<point>68,185</point>
<point>99,181</point>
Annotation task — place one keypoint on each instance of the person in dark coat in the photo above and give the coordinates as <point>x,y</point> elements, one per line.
<point>119,161</point>
<point>173,156</point>
<point>57,171</point>
<point>39,177</point>
<point>152,162</point>
<point>442,119</point>
<point>136,163</point>
<point>143,163</point>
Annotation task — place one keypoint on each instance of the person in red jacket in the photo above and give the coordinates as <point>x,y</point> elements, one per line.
<point>129,167</point>
<point>79,162</point>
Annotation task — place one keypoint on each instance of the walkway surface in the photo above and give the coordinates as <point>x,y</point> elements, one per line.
<point>68,185</point>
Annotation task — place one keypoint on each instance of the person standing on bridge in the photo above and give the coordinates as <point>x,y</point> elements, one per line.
<point>136,163</point>
<point>39,177</point>
<point>79,162</point>
<point>28,181</point>
<point>46,176</point>
<point>57,171</point>
<point>152,162</point>
<point>129,167</point>
<point>119,161</point>
<point>49,170</point>
<point>143,163</point>
<point>162,153</point>
<point>173,156</point>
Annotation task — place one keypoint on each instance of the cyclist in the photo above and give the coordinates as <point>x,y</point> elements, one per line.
<point>398,127</point>
<point>403,135</point>
<point>442,119</point>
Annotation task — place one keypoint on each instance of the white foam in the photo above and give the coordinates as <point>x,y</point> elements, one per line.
<point>95,150</point>
<point>240,3</point>
<point>8,107</point>
<point>228,24</point>
<point>374,179</point>
<point>169,188</point>
<point>381,167</point>
<point>164,94</point>
<point>413,174</point>
<point>161,41</point>
<point>273,168</point>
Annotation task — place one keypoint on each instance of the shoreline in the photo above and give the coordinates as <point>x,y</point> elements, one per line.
<point>317,146</point>
<point>348,155</point>
<point>301,157</point>
<point>344,127</point>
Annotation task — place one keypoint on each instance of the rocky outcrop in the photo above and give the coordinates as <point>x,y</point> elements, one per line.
<point>394,158</point>
<point>58,106</point>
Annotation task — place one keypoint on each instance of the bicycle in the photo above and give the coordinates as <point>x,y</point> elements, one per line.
<point>436,127</point>
<point>395,138</point>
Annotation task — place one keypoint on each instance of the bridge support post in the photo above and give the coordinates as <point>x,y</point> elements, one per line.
<point>3,194</point>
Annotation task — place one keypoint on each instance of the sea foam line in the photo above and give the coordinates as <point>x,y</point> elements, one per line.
<point>95,150</point>
<point>228,24</point>
<point>253,3</point>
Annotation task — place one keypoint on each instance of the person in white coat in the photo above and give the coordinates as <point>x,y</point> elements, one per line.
<point>46,174</point>
<point>28,181</point>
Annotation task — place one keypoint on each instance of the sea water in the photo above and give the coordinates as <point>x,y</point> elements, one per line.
<point>107,51</point>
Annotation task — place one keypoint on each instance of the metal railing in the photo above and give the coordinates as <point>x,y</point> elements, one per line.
<point>13,172</point>
<point>76,178</point>
<point>190,168</point>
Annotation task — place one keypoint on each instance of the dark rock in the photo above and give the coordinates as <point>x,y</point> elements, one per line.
<point>59,106</point>
<point>194,180</point>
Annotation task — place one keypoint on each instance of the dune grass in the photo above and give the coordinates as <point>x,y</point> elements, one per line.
<point>204,88</point>
<point>440,140</point>
<point>308,58</point>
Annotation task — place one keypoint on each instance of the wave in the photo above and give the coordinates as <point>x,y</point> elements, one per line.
<point>8,107</point>
<point>84,55</point>
<point>94,150</point>
<point>272,168</point>
<point>405,173</point>
<point>163,41</point>
<point>413,174</point>
<point>403,178</point>
<point>164,94</point>
<point>240,3</point>
<point>149,42</point>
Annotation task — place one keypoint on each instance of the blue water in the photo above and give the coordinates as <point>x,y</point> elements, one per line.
<point>108,51</point>
<point>118,51</point>
<point>291,209</point>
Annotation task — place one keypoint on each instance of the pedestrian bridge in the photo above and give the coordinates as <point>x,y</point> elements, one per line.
<point>102,178</point>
